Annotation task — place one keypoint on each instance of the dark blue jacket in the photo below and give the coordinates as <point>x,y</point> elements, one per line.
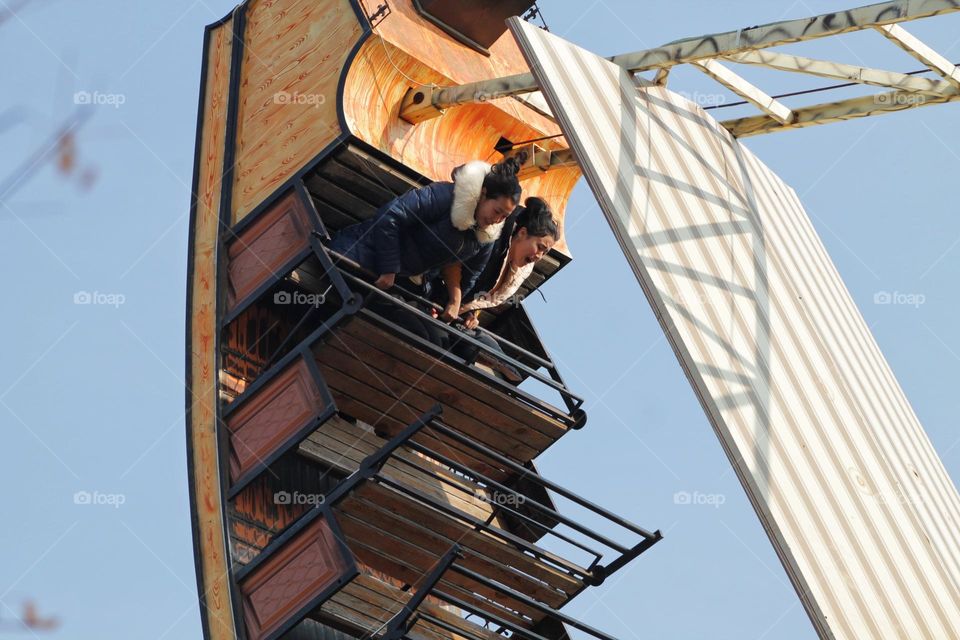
<point>414,234</point>
<point>487,279</point>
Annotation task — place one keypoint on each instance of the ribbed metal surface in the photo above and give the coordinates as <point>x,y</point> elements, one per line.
<point>853,496</point>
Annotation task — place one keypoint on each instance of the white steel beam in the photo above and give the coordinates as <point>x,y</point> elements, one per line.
<point>713,46</point>
<point>838,111</point>
<point>740,86</point>
<point>919,50</point>
<point>783,32</point>
<point>840,71</point>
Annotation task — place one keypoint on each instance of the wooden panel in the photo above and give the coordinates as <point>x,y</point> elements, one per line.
<point>458,384</point>
<point>266,245</point>
<point>268,419</point>
<point>367,603</point>
<point>293,57</point>
<point>383,507</point>
<point>349,374</point>
<point>407,553</point>
<point>361,184</point>
<point>332,194</point>
<point>396,557</point>
<point>343,445</point>
<point>404,541</point>
<point>291,578</point>
<point>363,162</point>
<point>461,409</point>
<point>849,489</point>
<point>201,350</point>
<point>387,424</point>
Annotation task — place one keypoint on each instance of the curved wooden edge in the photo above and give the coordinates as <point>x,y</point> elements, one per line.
<point>203,458</point>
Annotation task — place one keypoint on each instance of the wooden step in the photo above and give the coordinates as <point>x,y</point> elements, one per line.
<point>383,508</point>
<point>402,536</point>
<point>367,604</point>
<point>343,445</point>
<point>387,382</point>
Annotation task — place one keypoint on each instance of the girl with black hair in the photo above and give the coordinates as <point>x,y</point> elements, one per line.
<point>445,227</point>
<point>528,235</point>
<point>531,235</point>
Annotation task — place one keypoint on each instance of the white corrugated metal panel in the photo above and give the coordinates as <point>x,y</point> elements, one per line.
<point>853,496</point>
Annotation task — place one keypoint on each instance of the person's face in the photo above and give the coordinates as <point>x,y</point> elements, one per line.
<point>525,248</point>
<point>493,210</point>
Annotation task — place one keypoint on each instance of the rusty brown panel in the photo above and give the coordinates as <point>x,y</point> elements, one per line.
<point>415,36</point>
<point>261,249</point>
<point>271,416</point>
<point>481,22</point>
<point>291,578</point>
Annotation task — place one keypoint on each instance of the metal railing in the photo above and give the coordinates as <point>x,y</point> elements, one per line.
<point>512,604</point>
<point>360,278</point>
<point>354,286</point>
<point>506,500</point>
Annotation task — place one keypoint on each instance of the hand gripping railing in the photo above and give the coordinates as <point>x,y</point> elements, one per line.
<point>355,275</point>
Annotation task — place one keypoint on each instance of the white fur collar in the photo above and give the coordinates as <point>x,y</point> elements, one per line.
<point>467,183</point>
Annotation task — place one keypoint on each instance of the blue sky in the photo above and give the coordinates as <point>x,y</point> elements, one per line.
<point>91,395</point>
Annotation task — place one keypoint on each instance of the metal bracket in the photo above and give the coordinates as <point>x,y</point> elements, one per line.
<point>378,16</point>
<point>535,12</point>
<point>400,624</point>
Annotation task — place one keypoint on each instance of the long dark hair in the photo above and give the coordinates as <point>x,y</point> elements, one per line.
<point>537,219</point>
<point>502,178</point>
